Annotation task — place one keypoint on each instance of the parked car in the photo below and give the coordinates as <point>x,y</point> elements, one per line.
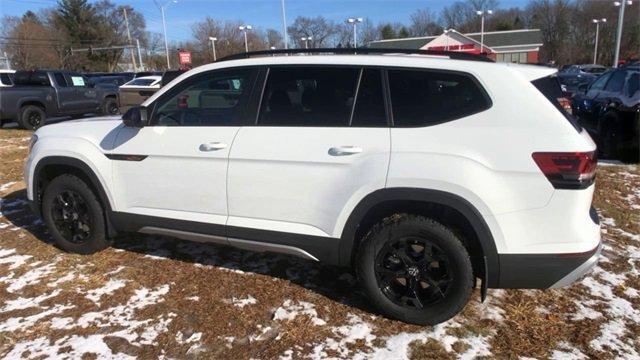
<point>136,91</point>
<point>6,78</point>
<point>422,173</point>
<point>575,75</point>
<point>39,94</point>
<point>112,81</point>
<point>610,109</point>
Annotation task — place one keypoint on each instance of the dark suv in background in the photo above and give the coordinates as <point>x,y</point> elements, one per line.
<point>609,108</point>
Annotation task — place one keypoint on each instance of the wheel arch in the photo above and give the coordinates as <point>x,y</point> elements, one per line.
<point>50,167</point>
<point>444,206</point>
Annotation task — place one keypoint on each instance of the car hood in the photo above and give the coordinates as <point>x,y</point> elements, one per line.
<point>95,129</point>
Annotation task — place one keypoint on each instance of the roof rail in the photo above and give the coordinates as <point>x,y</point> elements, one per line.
<point>454,55</point>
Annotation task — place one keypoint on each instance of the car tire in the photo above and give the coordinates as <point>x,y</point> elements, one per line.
<point>415,269</point>
<point>74,216</point>
<point>31,117</point>
<point>110,106</point>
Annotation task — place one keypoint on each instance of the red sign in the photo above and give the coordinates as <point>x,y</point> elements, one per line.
<point>185,57</point>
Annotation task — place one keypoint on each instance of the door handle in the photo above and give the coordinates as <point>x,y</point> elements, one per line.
<point>212,146</point>
<point>344,150</point>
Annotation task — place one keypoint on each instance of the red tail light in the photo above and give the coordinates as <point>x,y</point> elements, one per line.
<point>565,103</point>
<point>568,170</point>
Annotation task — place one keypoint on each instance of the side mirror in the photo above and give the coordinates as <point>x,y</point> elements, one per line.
<point>135,117</point>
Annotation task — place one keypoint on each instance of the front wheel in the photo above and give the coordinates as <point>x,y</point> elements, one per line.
<point>74,215</point>
<point>110,106</point>
<point>415,269</point>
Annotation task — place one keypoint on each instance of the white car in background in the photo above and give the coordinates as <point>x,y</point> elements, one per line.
<point>6,78</point>
<point>136,91</point>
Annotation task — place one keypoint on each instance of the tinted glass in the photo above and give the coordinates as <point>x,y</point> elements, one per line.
<point>369,108</point>
<point>5,79</point>
<point>600,82</point>
<point>308,96</point>
<point>423,98</point>
<point>31,78</point>
<point>617,81</point>
<point>212,100</point>
<point>60,80</point>
<point>141,82</point>
<point>633,84</point>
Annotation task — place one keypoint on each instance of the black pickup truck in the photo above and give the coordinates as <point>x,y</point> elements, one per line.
<point>37,95</point>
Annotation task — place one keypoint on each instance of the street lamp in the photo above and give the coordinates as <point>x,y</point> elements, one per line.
<point>244,29</point>
<point>164,29</point>
<point>595,50</point>
<point>482,14</point>
<point>213,45</point>
<point>620,4</point>
<point>354,22</point>
<point>306,41</point>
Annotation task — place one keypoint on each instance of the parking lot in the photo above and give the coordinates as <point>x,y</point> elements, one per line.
<point>154,297</point>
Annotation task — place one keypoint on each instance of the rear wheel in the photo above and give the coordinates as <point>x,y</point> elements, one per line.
<point>110,106</point>
<point>31,117</point>
<point>74,215</point>
<point>415,269</point>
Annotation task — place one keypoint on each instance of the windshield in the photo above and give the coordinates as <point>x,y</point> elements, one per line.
<point>594,70</point>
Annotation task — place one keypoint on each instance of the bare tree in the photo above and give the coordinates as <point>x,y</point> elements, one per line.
<point>461,15</point>
<point>553,17</point>
<point>424,22</point>
<point>319,28</point>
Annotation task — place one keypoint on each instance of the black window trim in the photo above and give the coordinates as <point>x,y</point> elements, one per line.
<point>359,67</point>
<point>239,120</point>
<point>475,80</point>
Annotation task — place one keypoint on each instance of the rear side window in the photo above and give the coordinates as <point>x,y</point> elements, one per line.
<point>633,84</point>
<point>616,82</point>
<point>31,78</point>
<point>550,87</point>
<point>308,96</point>
<point>369,109</point>
<point>60,80</point>
<point>5,79</point>
<point>423,98</point>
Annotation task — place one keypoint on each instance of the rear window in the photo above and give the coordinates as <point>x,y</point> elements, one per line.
<point>31,78</point>
<point>424,98</point>
<point>550,87</point>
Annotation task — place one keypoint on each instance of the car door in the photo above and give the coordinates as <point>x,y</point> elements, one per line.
<point>176,168</point>
<point>312,153</point>
<point>86,96</point>
<point>66,94</point>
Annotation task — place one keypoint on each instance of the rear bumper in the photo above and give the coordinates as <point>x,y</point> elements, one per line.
<point>543,271</point>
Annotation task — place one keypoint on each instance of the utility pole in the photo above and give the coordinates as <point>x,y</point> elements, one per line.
<point>6,59</point>
<point>213,44</point>
<point>284,26</point>
<point>133,57</point>
<point>139,54</point>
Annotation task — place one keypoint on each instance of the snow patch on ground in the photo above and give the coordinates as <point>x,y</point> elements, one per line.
<point>249,300</point>
<point>289,311</point>
<point>108,288</point>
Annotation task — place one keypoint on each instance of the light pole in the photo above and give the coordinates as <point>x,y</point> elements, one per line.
<point>354,22</point>
<point>164,29</point>
<point>284,26</point>
<point>620,4</point>
<point>306,41</point>
<point>595,50</point>
<point>481,14</point>
<point>213,45</point>
<point>244,29</point>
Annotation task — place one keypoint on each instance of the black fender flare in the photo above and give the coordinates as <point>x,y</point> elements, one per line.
<point>490,252</point>
<point>85,170</point>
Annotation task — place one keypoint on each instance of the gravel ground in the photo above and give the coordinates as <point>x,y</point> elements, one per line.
<point>155,297</point>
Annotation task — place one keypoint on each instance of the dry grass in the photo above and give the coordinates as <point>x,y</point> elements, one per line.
<point>176,299</point>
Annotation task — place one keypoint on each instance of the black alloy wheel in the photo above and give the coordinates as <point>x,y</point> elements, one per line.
<point>413,272</point>
<point>71,217</point>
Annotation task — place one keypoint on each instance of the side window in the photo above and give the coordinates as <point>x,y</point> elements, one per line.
<point>60,80</point>
<point>308,96</point>
<point>369,109</point>
<point>423,98</point>
<point>77,80</point>
<point>617,81</point>
<point>5,79</point>
<point>633,84</point>
<point>599,84</point>
<point>211,100</point>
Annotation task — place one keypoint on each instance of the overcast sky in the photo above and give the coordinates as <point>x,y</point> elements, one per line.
<point>261,14</point>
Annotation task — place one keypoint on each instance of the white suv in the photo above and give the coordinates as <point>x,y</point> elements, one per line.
<point>422,172</point>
